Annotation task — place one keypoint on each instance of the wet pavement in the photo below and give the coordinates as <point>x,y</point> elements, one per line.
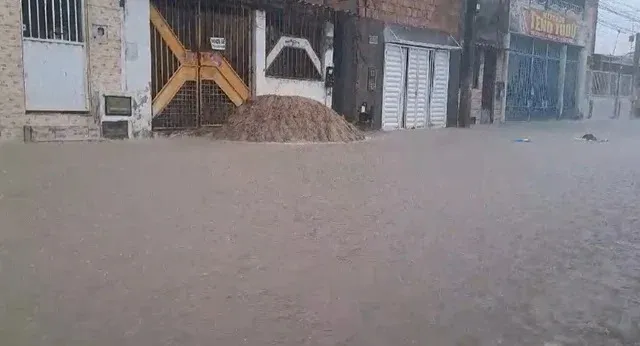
<point>448,237</point>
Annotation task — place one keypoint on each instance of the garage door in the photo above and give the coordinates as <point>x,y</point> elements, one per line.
<point>439,92</point>
<point>393,86</point>
<point>417,88</point>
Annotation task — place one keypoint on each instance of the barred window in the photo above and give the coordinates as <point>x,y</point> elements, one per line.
<point>296,38</point>
<point>52,20</point>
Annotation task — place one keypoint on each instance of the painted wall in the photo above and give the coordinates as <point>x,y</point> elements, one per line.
<point>356,56</point>
<point>264,85</point>
<point>137,65</point>
<point>106,65</point>
<point>500,94</point>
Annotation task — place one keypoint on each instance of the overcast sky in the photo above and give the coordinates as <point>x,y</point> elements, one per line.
<point>608,39</point>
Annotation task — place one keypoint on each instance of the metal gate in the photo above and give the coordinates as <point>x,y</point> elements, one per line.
<point>534,70</point>
<point>193,85</point>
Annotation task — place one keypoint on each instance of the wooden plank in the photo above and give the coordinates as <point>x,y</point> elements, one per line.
<point>169,91</point>
<point>167,34</point>
<point>233,79</point>
<point>212,73</point>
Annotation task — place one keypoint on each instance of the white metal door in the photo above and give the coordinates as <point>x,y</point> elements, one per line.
<point>393,86</point>
<point>439,90</point>
<point>54,55</point>
<point>417,88</point>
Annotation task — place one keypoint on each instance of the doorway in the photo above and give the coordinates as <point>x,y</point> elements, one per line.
<point>488,85</point>
<point>415,87</point>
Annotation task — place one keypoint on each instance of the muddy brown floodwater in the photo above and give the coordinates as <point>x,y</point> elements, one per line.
<point>449,237</point>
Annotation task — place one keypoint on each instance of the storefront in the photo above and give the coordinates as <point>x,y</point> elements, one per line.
<point>548,46</point>
<point>416,79</point>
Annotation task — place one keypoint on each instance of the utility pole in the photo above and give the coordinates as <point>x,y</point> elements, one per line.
<point>636,76</point>
<point>468,57</point>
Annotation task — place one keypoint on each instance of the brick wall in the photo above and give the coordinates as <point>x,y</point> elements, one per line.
<point>440,15</point>
<point>342,5</point>
<point>105,56</point>
<point>11,75</point>
<point>104,60</point>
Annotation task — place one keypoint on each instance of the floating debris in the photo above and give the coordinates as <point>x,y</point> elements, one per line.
<point>590,137</point>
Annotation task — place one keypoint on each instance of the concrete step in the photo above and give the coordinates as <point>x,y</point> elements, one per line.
<point>61,133</point>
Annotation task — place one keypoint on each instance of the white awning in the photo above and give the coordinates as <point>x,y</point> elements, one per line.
<point>419,37</point>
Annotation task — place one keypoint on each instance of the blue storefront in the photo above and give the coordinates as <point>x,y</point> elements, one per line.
<point>547,48</point>
<point>539,72</point>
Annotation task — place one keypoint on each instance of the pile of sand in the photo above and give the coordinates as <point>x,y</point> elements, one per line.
<point>272,118</point>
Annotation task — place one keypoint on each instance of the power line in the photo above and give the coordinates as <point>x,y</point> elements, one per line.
<point>608,8</point>
<point>620,9</point>
<point>618,3</point>
<point>614,26</point>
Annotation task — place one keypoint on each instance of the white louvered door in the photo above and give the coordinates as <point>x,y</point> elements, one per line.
<point>393,87</point>
<point>440,89</point>
<point>417,88</point>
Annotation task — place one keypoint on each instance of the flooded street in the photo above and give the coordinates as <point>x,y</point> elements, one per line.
<point>443,237</point>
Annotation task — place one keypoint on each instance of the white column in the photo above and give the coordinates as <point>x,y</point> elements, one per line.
<point>581,92</point>
<point>504,73</point>
<point>328,60</point>
<point>137,65</point>
<point>260,52</point>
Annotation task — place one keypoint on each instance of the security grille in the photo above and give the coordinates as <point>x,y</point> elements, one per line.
<point>59,20</point>
<point>610,84</point>
<point>296,37</point>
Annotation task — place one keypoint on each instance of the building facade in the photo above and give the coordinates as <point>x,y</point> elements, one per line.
<point>61,57</point>
<point>398,62</point>
<point>85,69</point>
<point>542,48</point>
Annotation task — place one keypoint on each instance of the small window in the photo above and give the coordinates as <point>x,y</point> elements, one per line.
<point>59,20</point>
<point>299,38</point>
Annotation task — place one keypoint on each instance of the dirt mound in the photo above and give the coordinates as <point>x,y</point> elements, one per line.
<point>272,118</point>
